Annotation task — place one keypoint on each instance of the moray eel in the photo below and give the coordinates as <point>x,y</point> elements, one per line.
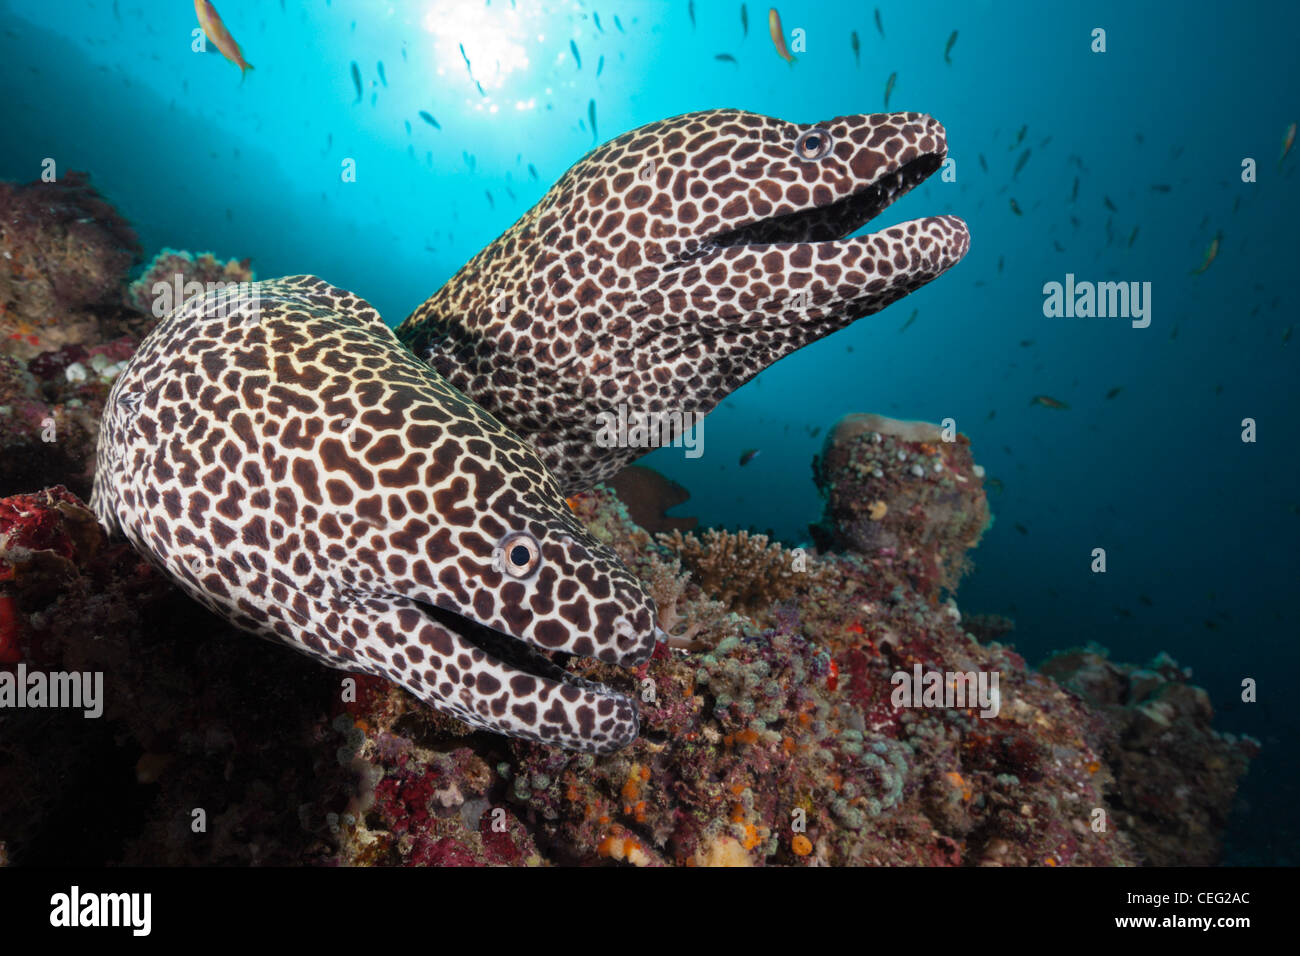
<point>676,262</point>
<point>287,463</point>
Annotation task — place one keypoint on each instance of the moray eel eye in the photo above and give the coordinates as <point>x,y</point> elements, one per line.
<point>813,145</point>
<point>520,554</point>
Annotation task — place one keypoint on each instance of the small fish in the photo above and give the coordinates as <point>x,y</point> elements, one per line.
<point>910,319</point>
<point>1020,137</point>
<point>1288,140</point>
<point>879,25</point>
<point>853,42</point>
<point>889,87</point>
<point>216,31</point>
<point>1286,334</point>
<point>1026,343</point>
<point>725,58</point>
<point>491,201</point>
<point>591,115</point>
<point>995,484</point>
<point>1020,163</point>
<point>382,78</point>
<point>600,64</point>
<point>1108,204</point>
<point>573,48</point>
<point>618,23</point>
<point>778,35</point>
<point>1048,402</point>
<point>1015,207</point>
<point>428,118</point>
<point>356,81</point>
<point>1159,188</point>
<point>1132,237</point>
<point>748,455</point>
<point>1021,528</point>
<point>1115,391</point>
<point>983,163</point>
<point>1043,144</point>
<point>1000,265</point>
<point>690,9</point>
<point>952,38</point>
<point>1057,246</point>
<point>408,126</point>
<point>596,16</point>
<point>532,171</point>
<point>744,21</point>
<point>1145,601</point>
<point>1210,254</point>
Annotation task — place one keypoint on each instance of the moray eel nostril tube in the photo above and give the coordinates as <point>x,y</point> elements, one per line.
<point>291,466</point>
<point>676,262</point>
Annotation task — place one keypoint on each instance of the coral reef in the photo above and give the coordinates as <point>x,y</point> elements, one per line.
<point>1157,732</point>
<point>746,573</point>
<point>772,729</point>
<point>772,745</point>
<point>65,252</point>
<point>900,490</point>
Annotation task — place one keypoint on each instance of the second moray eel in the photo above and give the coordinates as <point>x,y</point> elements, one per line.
<point>287,463</point>
<point>671,265</point>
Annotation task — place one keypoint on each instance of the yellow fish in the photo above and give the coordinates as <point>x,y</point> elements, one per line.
<point>1047,402</point>
<point>778,35</point>
<point>1210,253</point>
<point>1288,140</point>
<point>210,20</point>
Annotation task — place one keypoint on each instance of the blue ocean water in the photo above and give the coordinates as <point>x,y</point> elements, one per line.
<point>1198,526</point>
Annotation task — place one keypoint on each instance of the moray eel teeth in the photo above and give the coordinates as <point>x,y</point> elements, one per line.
<point>288,464</point>
<point>671,265</point>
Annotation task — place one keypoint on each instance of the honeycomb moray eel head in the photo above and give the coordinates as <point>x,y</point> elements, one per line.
<point>674,263</point>
<point>290,465</point>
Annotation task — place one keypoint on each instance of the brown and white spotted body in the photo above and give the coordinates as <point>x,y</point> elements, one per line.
<point>295,469</point>
<point>676,262</point>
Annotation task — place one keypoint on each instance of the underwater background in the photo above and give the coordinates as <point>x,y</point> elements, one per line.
<point>1133,168</point>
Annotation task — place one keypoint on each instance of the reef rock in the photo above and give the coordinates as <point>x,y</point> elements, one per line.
<point>904,491</point>
<point>64,256</point>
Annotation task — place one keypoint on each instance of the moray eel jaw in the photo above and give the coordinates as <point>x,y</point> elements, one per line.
<point>672,264</point>
<point>288,464</point>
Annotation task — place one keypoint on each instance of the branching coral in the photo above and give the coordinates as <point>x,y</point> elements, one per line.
<point>743,571</point>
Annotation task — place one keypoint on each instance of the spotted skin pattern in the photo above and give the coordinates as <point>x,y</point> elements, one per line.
<point>676,262</point>
<point>291,466</point>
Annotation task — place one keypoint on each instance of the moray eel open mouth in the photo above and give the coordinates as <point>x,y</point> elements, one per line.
<point>674,263</point>
<point>832,222</point>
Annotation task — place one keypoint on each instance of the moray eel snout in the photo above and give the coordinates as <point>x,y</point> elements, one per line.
<point>295,469</point>
<point>676,262</point>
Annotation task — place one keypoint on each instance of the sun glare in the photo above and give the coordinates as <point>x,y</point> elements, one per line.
<point>493,40</point>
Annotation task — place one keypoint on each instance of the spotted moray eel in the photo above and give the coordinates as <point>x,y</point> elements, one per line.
<point>284,460</point>
<point>676,262</point>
